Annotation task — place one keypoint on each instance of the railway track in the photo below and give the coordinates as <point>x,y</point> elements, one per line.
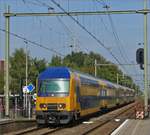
<point>113,121</point>
<point>103,124</point>
<point>35,131</point>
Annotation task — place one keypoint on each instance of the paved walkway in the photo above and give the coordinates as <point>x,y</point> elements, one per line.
<point>134,127</point>
<point>7,120</point>
<point>3,120</point>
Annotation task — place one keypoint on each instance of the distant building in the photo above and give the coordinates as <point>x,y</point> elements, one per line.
<point>2,65</point>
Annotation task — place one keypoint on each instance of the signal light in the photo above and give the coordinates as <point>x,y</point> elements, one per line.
<point>140,56</point>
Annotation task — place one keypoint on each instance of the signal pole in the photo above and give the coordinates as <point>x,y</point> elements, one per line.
<point>145,58</point>
<point>95,68</point>
<point>7,39</point>
<point>26,95</point>
<point>26,64</point>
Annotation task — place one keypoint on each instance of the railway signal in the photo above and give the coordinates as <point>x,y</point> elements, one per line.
<point>140,57</point>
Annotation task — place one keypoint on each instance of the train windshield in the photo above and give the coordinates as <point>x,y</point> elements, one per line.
<point>54,86</point>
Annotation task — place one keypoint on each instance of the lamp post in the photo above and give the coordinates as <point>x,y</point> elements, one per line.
<point>26,80</point>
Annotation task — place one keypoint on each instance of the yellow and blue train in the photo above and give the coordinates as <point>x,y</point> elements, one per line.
<point>64,95</point>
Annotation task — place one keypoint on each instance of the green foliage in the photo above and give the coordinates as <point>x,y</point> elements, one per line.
<point>56,61</point>
<point>79,61</point>
<point>85,62</point>
<point>40,65</point>
<point>18,69</point>
<point>18,64</point>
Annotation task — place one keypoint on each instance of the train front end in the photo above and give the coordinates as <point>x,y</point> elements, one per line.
<point>54,103</point>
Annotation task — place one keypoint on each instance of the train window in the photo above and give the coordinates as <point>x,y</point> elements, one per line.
<point>54,86</point>
<point>103,92</point>
<point>77,92</point>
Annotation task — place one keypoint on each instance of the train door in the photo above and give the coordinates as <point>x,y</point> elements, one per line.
<point>103,94</point>
<point>117,96</point>
<point>77,100</point>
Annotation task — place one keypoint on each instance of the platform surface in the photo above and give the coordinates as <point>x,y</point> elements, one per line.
<point>5,120</point>
<point>134,127</point>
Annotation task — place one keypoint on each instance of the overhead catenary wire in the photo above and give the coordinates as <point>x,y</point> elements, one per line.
<point>45,24</point>
<point>118,41</point>
<point>70,33</point>
<point>42,3</point>
<point>60,20</point>
<point>40,20</point>
<point>77,20</point>
<point>33,42</point>
<point>114,32</point>
<point>86,30</point>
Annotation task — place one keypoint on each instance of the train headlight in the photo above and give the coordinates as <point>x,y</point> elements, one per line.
<point>61,106</point>
<point>43,106</point>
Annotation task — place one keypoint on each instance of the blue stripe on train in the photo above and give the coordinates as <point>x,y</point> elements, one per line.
<point>92,101</point>
<point>87,102</point>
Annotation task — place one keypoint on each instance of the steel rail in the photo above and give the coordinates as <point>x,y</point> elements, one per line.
<point>107,121</point>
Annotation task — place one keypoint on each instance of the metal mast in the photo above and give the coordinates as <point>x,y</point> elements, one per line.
<point>7,21</point>
<point>145,58</point>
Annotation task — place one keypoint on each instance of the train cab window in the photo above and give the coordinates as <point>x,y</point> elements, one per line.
<point>54,86</point>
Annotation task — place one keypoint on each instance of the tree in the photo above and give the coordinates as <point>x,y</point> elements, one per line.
<point>56,61</point>
<point>77,60</point>
<point>40,65</point>
<point>35,67</point>
<point>18,69</point>
<point>85,62</point>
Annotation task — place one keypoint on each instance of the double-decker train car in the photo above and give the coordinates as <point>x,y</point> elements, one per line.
<point>64,95</point>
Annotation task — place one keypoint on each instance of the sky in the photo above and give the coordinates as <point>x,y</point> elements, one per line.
<point>120,34</point>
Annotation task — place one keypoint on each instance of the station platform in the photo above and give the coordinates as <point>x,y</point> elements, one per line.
<point>5,120</point>
<point>134,127</point>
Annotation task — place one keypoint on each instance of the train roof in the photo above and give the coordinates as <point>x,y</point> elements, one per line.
<point>55,72</point>
<point>108,84</point>
<point>64,72</point>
